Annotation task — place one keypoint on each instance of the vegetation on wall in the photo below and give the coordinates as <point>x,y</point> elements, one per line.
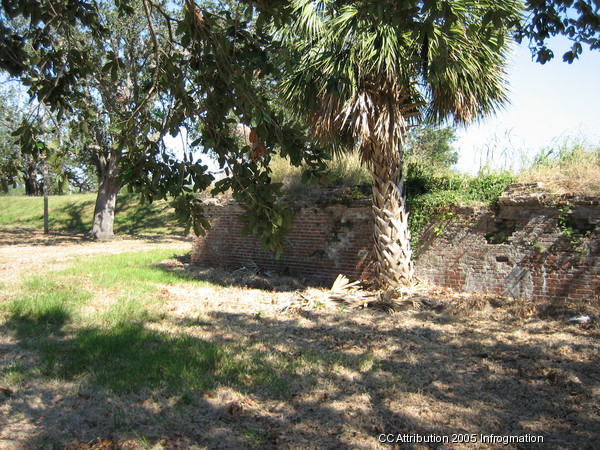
<point>432,185</point>
<point>484,189</point>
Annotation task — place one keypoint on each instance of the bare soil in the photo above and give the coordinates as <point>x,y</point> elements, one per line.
<point>443,366</point>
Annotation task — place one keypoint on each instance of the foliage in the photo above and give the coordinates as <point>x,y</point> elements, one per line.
<point>449,190</point>
<point>578,20</point>
<point>10,165</point>
<point>351,51</point>
<point>431,146</point>
<point>24,168</point>
<point>568,231</point>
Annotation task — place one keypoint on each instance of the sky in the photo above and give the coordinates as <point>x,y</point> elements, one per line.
<point>550,105</point>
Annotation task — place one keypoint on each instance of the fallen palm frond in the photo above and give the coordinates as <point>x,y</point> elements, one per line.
<point>250,268</point>
<point>347,294</point>
<point>342,284</point>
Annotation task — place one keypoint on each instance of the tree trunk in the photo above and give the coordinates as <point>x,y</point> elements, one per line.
<point>391,234</point>
<point>31,184</point>
<point>104,212</point>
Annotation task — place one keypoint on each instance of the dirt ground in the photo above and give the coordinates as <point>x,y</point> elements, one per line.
<point>449,370</point>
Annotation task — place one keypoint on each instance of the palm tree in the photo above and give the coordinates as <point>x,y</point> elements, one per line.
<point>362,73</point>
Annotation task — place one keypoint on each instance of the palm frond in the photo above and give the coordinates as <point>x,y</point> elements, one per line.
<point>368,77</point>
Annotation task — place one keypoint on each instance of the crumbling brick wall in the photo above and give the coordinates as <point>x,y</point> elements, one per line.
<point>325,241</point>
<point>532,245</point>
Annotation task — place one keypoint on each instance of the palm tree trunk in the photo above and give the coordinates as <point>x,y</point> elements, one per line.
<point>391,234</point>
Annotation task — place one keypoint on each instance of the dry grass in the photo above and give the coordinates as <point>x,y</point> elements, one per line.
<point>344,170</point>
<point>450,365</point>
<point>567,170</point>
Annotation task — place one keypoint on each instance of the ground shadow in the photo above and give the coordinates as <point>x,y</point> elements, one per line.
<point>36,237</point>
<point>320,381</point>
<point>251,277</point>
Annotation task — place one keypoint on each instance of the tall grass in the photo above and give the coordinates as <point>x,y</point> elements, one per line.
<point>343,170</point>
<point>567,168</point>
<point>347,170</point>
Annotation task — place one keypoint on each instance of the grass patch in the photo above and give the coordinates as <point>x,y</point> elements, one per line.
<point>113,347</point>
<point>128,357</point>
<point>135,271</point>
<point>13,375</point>
<point>75,213</point>
<point>47,301</point>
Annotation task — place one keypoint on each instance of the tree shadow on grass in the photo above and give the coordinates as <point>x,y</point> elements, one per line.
<point>138,219</point>
<point>32,236</point>
<point>309,379</point>
<point>75,221</point>
<point>243,277</point>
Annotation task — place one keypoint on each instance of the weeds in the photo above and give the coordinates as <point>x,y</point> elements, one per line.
<point>344,170</point>
<point>433,201</point>
<point>576,232</point>
<point>568,168</point>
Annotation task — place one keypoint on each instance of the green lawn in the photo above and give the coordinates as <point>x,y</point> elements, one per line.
<point>93,320</point>
<point>74,213</point>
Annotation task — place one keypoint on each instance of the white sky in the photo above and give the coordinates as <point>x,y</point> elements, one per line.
<point>550,103</point>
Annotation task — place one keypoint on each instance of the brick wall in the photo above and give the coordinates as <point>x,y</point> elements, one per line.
<point>325,242</point>
<point>516,250</point>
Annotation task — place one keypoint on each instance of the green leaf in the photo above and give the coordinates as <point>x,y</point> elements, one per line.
<point>256,121</point>
<point>114,73</point>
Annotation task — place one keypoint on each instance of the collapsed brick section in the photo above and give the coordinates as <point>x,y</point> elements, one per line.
<point>533,246</point>
<point>325,242</point>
